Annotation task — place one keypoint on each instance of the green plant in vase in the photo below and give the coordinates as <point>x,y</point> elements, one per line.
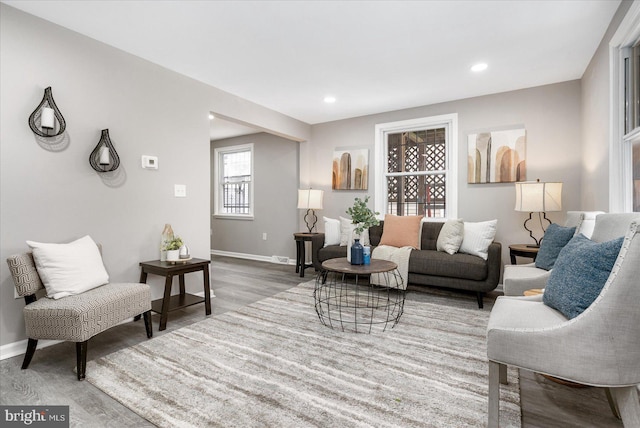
<point>172,247</point>
<point>173,244</point>
<point>362,216</point>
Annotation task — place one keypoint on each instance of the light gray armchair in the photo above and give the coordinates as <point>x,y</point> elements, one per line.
<point>517,279</point>
<point>600,347</point>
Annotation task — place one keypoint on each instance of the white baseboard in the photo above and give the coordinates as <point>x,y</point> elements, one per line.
<point>18,348</point>
<point>269,259</point>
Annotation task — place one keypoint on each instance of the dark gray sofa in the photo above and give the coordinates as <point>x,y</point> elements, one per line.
<point>428,266</point>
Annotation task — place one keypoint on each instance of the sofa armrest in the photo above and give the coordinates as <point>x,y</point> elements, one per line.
<point>494,264</point>
<point>317,242</point>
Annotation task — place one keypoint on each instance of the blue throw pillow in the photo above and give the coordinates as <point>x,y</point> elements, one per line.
<point>582,269</point>
<point>554,240</point>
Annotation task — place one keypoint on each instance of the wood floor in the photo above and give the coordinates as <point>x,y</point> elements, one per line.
<point>50,379</point>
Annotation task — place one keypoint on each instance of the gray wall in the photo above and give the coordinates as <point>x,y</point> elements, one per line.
<point>595,122</point>
<point>550,114</point>
<point>56,196</point>
<point>275,192</point>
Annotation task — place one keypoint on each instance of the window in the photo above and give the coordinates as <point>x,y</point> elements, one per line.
<point>415,167</point>
<point>233,181</point>
<point>624,159</point>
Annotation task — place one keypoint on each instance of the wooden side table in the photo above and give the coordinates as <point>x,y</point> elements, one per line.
<point>522,250</point>
<point>169,269</point>
<point>301,263</point>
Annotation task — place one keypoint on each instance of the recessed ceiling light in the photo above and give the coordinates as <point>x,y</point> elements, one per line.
<point>211,117</point>
<point>479,67</point>
<point>329,99</point>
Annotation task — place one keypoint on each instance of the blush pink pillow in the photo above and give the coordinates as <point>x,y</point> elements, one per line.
<point>401,231</point>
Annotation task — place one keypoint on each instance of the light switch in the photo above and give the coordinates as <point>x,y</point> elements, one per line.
<point>180,190</point>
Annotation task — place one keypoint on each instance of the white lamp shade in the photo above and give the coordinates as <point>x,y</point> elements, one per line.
<point>310,199</point>
<point>534,196</point>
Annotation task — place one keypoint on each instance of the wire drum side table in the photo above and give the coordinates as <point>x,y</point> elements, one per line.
<point>346,300</point>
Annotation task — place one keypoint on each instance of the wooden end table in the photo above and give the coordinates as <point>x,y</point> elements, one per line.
<point>301,262</point>
<point>170,269</point>
<point>522,250</point>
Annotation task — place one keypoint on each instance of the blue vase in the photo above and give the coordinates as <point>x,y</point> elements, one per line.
<point>357,253</point>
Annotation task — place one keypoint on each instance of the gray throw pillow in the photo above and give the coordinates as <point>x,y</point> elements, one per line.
<point>450,237</point>
<point>555,238</point>
<point>581,270</point>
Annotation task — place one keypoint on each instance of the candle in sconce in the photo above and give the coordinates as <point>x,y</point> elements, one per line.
<point>104,156</point>
<point>47,118</point>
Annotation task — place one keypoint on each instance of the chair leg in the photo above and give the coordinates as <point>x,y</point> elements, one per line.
<point>147,324</point>
<point>28,355</point>
<point>81,358</point>
<point>626,400</point>
<point>480,295</point>
<point>612,403</point>
<point>494,394</point>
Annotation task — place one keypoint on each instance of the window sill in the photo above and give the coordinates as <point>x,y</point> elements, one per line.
<point>233,217</point>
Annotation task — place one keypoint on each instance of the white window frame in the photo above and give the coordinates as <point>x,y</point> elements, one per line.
<point>218,182</point>
<point>447,121</point>
<point>620,145</point>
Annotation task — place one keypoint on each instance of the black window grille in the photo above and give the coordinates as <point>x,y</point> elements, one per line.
<point>416,167</point>
<point>236,195</point>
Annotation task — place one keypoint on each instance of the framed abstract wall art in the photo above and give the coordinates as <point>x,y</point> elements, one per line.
<point>350,169</point>
<point>497,156</point>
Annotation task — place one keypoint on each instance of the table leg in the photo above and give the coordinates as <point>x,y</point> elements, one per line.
<point>303,259</point>
<point>181,281</point>
<point>207,291</point>
<point>165,302</point>
<point>298,242</point>
<point>513,258</point>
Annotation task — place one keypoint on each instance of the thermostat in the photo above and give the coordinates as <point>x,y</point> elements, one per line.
<point>149,162</point>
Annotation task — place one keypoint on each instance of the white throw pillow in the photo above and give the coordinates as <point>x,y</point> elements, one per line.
<point>346,233</point>
<point>67,269</point>
<point>450,237</point>
<point>331,231</point>
<point>478,237</point>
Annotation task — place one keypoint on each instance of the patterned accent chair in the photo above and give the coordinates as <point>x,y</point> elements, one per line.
<point>75,318</point>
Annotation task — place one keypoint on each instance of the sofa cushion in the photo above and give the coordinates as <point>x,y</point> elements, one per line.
<point>430,233</point>
<point>450,236</point>
<point>331,231</point>
<point>478,237</point>
<point>582,269</point>
<point>332,252</point>
<point>554,240</point>
<point>401,231</point>
<point>347,233</point>
<point>437,263</point>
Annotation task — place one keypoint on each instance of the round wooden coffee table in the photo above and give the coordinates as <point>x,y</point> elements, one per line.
<point>346,299</point>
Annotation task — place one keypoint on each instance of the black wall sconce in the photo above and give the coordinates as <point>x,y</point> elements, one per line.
<point>43,119</point>
<point>104,157</point>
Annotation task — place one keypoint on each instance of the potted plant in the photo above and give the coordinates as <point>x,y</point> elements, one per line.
<point>172,247</point>
<point>363,217</point>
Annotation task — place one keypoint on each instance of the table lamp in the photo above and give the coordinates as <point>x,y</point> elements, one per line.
<point>310,199</point>
<point>539,197</point>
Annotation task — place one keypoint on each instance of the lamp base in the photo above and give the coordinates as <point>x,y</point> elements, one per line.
<point>541,215</point>
<point>310,217</point>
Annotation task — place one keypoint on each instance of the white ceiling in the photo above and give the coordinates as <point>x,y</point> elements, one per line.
<point>373,56</point>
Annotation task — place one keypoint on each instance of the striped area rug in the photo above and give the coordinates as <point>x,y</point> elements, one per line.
<point>273,364</point>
